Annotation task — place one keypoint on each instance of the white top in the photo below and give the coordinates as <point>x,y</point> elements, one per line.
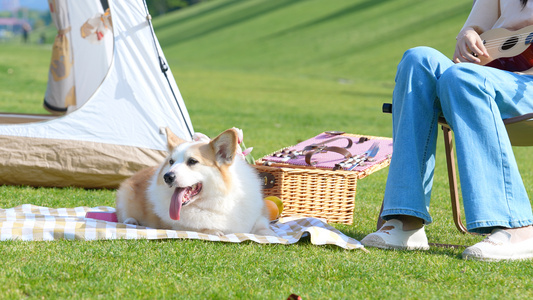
<point>509,14</point>
<point>513,16</point>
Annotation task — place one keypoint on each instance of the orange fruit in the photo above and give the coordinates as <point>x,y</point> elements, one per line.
<point>278,202</point>
<point>273,210</point>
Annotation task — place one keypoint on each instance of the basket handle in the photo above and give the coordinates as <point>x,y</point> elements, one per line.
<point>339,150</point>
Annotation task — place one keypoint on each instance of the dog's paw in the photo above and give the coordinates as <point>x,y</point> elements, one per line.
<point>131,221</point>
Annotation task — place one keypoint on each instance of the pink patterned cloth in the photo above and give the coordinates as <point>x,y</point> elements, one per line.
<point>327,160</point>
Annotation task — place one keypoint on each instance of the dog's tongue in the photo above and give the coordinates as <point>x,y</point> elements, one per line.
<point>175,203</point>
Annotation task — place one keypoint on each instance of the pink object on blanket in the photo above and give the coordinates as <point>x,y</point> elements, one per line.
<point>328,160</point>
<point>104,216</point>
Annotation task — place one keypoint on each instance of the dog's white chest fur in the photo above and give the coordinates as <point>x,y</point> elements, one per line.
<point>230,208</point>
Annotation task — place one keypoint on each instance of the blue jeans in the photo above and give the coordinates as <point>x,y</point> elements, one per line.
<point>473,99</point>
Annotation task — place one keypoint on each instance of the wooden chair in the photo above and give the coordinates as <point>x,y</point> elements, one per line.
<point>520,131</point>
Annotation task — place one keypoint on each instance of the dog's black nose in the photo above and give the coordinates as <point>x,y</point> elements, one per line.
<point>169,177</point>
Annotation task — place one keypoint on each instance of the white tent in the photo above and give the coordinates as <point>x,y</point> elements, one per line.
<point>115,127</point>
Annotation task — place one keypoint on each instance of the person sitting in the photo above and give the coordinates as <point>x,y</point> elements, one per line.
<point>473,98</point>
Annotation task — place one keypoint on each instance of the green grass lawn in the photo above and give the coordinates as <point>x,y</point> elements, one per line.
<point>283,71</point>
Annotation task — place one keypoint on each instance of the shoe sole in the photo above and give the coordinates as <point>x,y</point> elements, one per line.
<point>495,259</point>
<point>377,242</point>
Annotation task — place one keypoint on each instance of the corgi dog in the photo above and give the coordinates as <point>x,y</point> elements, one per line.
<point>203,185</point>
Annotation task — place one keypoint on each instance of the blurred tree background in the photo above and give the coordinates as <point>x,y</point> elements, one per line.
<point>40,20</point>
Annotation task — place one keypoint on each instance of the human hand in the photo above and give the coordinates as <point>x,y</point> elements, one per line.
<point>469,47</point>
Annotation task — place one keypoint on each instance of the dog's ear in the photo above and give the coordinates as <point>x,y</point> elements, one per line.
<point>172,140</point>
<point>225,146</point>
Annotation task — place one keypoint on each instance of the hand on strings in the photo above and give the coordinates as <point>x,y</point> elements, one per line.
<point>469,47</point>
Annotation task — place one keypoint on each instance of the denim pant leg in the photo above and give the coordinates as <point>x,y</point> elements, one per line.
<point>414,118</point>
<point>474,100</point>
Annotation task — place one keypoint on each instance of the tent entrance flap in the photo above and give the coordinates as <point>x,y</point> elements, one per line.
<point>81,53</point>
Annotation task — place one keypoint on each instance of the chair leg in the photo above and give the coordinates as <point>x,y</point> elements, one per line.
<point>452,178</point>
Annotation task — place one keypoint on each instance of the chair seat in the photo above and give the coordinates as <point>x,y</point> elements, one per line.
<point>520,130</point>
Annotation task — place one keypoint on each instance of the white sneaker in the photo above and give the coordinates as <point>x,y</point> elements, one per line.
<point>392,236</point>
<point>498,246</point>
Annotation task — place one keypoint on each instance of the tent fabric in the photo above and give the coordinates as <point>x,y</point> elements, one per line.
<point>128,110</point>
<point>14,118</point>
<point>36,223</point>
<point>70,163</point>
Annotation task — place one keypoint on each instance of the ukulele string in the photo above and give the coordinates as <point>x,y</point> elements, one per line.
<point>495,43</point>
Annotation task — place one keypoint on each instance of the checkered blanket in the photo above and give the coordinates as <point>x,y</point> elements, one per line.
<point>35,223</point>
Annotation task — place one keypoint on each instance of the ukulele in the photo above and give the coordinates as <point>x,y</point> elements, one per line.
<point>508,50</point>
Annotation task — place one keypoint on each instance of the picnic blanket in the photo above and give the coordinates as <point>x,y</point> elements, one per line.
<point>36,223</point>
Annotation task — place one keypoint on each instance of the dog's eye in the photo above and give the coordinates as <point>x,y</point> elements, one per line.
<point>191,162</point>
<point>171,162</point>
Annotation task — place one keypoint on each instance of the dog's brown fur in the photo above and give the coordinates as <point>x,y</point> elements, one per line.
<point>134,188</point>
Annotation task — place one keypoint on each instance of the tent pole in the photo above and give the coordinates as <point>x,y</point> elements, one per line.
<point>164,67</point>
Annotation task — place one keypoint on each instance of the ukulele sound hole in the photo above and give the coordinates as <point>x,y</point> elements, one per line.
<point>510,43</point>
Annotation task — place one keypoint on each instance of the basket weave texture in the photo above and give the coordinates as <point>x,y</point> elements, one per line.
<point>315,192</point>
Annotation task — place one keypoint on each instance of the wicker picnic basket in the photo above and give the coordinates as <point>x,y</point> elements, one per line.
<point>315,192</point>
<point>312,192</point>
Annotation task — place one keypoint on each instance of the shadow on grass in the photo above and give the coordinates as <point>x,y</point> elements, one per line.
<point>219,5</point>
<point>357,8</point>
<point>240,16</point>
<point>401,33</point>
